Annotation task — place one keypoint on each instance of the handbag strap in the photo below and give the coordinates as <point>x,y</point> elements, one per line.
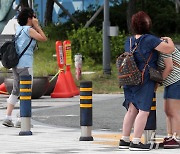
<point>146,64</point>
<point>176,64</point>
<point>25,48</point>
<point>146,61</point>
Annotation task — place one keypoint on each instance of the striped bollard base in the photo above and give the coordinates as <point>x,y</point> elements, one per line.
<point>86,133</point>
<point>25,126</point>
<point>86,110</point>
<point>25,105</point>
<point>150,128</point>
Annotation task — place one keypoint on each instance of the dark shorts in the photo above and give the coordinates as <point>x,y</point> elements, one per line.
<point>172,91</point>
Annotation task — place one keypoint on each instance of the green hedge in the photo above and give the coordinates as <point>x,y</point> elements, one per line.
<point>88,42</point>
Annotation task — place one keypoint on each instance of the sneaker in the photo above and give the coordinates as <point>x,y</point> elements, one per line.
<point>8,123</point>
<point>139,147</point>
<point>161,144</point>
<point>171,144</point>
<point>166,139</point>
<point>18,124</point>
<point>123,144</point>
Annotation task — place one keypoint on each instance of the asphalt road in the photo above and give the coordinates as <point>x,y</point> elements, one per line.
<point>107,115</point>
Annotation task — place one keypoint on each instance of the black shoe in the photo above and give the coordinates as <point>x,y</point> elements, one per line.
<point>139,147</point>
<point>123,144</point>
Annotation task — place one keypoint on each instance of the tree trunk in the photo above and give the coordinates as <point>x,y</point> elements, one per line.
<point>24,3</point>
<point>49,11</point>
<point>130,11</point>
<point>31,3</point>
<point>177,4</point>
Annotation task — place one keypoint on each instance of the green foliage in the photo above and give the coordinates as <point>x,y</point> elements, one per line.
<point>176,38</point>
<point>164,18</point>
<point>58,32</point>
<point>88,42</point>
<point>117,45</point>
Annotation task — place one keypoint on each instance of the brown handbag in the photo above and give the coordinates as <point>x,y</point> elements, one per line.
<point>176,64</point>
<point>155,75</point>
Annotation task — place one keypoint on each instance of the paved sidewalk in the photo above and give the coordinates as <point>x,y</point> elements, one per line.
<point>47,139</point>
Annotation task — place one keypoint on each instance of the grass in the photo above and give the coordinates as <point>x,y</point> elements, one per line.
<point>103,83</point>
<point>44,62</point>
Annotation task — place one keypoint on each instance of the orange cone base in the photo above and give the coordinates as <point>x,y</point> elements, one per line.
<point>71,82</point>
<point>3,89</point>
<point>61,95</point>
<point>62,89</point>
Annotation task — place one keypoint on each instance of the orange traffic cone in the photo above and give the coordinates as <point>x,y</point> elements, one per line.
<point>71,82</point>
<point>3,89</point>
<point>62,89</point>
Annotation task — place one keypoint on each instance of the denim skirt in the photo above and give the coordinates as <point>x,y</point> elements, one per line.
<point>140,96</point>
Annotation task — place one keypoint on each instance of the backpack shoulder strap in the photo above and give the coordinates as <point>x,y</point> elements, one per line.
<point>25,48</point>
<point>146,61</point>
<point>136,45</point>
<point>16,36</point>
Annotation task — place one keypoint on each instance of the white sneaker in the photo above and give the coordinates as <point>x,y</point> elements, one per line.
<point>18,124</point>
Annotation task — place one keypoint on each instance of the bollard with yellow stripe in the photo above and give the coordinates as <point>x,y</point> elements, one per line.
<point>86,110</point>
<point>151,121</point>
<point>25,104</point>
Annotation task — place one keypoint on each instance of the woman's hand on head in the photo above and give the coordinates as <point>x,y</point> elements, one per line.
<point>35,22</point>
<point>36,32</point>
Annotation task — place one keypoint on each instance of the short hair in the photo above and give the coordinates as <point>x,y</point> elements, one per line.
<point>141,23</point>
<point>24,14</point>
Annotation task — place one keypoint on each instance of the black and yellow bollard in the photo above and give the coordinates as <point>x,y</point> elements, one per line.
<point>151,122</point>
<point>25,104</point>
<point>86,110</point>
